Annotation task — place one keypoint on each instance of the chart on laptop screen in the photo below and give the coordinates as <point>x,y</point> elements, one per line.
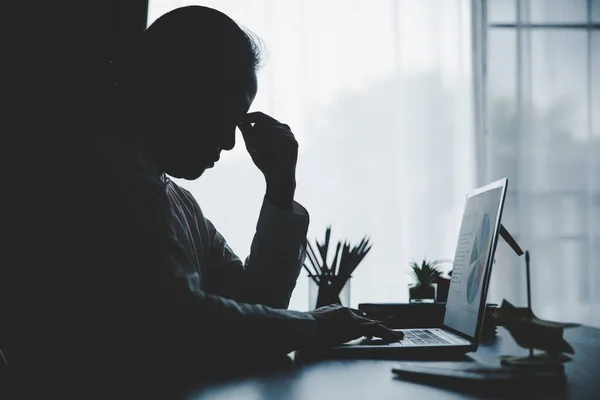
<point>470,260</point>
<point>479,252</point>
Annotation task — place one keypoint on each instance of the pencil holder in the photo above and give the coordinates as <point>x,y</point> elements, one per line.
<point>324,290</point>
<point>329,281</point>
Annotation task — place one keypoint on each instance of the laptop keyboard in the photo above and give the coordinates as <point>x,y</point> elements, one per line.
<point>419,337</point>
<point>423,336</point>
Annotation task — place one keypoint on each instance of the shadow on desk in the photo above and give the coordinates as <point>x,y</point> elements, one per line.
<point>139,382</point>
<point>485,390</point>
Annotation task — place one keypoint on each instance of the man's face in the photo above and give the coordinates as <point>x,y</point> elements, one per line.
<point>197,124</point>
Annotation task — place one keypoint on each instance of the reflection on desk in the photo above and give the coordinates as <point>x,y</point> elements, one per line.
<point>373,379</point>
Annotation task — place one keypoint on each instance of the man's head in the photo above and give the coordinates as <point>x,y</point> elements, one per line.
<point>191,78</point>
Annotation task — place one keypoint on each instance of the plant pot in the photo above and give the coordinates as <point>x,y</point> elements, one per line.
<point>424,294</point>
<point>331,290</point>
<point>443,286</point>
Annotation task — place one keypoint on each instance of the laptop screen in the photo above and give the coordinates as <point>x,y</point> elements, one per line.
<point>474,254</point>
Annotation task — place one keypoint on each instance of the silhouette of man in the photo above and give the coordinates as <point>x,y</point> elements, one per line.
<point>160,284</point>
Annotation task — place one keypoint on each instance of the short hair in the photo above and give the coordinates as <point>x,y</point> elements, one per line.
<point>256,47</point>
<point>193,40</point>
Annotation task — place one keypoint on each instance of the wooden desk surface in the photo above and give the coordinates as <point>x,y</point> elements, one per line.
<point>373,380</point>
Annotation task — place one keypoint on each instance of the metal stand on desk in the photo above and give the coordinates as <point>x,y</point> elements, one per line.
<point>528,330</point>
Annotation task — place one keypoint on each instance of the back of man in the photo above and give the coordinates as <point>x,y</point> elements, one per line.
<point>158,283</point>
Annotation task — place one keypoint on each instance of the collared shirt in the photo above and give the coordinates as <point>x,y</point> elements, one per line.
<point>168,268</point>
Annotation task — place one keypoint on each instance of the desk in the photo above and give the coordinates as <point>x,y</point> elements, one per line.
<point>373,380</point>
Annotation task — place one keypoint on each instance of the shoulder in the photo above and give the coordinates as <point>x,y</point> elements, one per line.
<point>183,197</point>
<point>179,189</point>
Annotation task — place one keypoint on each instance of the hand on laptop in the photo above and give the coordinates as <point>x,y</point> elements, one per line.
<point>337,325</point>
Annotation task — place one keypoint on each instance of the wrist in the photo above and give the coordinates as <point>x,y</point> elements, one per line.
<point>281,195</point>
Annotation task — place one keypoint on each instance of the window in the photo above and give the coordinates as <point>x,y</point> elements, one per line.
<point>379,95</point>
<point>542,101</point>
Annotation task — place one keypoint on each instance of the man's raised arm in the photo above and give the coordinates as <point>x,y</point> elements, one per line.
<point>269,274</point>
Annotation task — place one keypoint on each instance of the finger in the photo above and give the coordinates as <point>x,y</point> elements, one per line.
<point>252,132</point>
<point>257,116</point>
<point>357,312</point>
<point>332,307</point>
<point>378,330</point>
<point>244,127</point>
<point>262,120</point>
<point>248,135</point>
<point>272,130</point>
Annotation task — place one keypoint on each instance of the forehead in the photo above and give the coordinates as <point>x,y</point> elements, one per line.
<point>229,88</point>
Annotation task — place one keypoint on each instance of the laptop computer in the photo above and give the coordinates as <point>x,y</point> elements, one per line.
<point>465,307</point>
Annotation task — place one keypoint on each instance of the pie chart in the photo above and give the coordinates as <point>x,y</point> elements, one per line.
<point>478,258</point>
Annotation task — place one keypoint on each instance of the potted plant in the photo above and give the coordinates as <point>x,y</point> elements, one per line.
<point>426,274</point>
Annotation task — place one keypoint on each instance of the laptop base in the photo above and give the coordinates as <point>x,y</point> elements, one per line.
<point>356,349</point>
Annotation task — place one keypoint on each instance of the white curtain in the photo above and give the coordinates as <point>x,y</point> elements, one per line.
<point>379,96</point>
<point>543,132</point>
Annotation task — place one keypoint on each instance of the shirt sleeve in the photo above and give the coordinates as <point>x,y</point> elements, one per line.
<point>269,274</point>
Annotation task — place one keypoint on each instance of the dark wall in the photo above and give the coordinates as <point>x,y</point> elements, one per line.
<point>58,59</point>
<point>60,51</point>
<point>110,25</point>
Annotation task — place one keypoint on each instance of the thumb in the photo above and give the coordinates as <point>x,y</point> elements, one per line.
<point>245,127</point>
<point>247,134</point>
